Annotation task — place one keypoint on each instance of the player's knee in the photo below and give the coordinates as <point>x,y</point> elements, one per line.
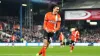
<point>70,45</point>
<point>45,42</point>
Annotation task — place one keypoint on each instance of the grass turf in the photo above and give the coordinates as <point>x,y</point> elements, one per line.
<point>55,51</point>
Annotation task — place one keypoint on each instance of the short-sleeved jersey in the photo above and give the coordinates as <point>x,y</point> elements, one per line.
<point>52,22</point>
<point>74,35</point>
<point>13,37</point>
<point>77,34</point>
<point>61,37</point>
<point>1,27</point>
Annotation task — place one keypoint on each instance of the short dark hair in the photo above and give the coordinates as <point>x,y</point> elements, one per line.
<point>53,6</point>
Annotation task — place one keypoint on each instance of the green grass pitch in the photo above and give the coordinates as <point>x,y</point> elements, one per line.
<point>55,51</point>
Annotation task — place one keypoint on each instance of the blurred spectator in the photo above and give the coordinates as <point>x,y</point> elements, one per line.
<point>9,25</point>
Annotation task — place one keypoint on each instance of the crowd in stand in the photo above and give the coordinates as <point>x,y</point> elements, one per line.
<point>90,36</point>
<point>36,35</point>
<point>9,26</point>
<point>33,36</point>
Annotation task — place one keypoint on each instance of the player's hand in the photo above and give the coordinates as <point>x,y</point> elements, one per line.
<point>47,30</point>
<point>53,31</point>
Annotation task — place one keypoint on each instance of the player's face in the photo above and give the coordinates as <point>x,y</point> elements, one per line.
<point>56,10</point>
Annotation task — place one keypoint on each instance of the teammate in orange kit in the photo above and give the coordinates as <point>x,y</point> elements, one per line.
<point>74,38</point>
<point>13,39</point>
<point>51,25</point>
<point>61,38</point>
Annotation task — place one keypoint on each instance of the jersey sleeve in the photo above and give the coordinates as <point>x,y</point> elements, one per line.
<point>58,24</point>
<point>45,21</point>
<point>78,34</point>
